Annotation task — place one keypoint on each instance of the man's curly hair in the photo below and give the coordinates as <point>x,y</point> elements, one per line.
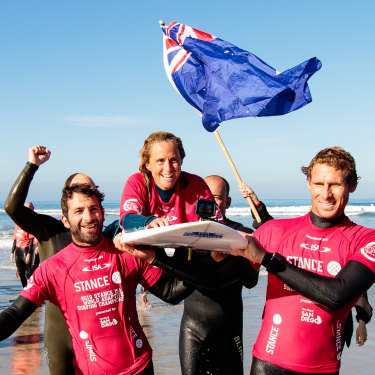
<point>85,189</point>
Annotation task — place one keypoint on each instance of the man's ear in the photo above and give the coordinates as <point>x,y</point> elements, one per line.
<point>309,184</point>
<point>353,187</point>
<point>65,221</point>
<point>228,202</point>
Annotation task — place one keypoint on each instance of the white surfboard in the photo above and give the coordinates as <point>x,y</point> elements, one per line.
<point>199,235</point>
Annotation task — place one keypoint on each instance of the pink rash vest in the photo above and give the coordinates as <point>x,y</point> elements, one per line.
<point>179,209</point>
<point>95,287</point>
<point>296,333</point>
<point>22,238</point>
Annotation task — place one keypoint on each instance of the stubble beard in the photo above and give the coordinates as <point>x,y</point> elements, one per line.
<point>88,239</point>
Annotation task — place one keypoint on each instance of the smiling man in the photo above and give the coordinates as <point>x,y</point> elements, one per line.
<point>320,257</point>
<point>94,285</point>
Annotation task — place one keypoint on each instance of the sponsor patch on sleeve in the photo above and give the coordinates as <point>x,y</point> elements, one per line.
<point>369,251</point>
<point>132,205</point>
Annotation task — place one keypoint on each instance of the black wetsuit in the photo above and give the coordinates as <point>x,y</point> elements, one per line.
<point>211,326</point>
<point>20,253</point>
<point>34,261</point>
<point>52,236</point>
<point>211,340</point>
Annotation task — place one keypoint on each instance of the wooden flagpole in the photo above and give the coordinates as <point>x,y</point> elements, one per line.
<point>234,169</point>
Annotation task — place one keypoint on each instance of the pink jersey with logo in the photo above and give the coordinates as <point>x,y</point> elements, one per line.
<point>296,333</point>
<point>22,238</point>
<point>95,289</point>
<point>180,208</point>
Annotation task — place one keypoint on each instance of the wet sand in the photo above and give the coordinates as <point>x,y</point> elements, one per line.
<point>22,353</point>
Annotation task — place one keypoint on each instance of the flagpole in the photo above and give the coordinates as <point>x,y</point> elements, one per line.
<point>239,179</point>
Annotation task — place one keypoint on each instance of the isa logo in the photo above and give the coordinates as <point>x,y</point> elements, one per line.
<point>369,251</point>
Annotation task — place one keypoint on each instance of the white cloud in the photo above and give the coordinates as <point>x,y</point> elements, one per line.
<point>106,121</point>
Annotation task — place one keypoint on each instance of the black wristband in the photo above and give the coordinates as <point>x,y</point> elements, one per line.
<point>273,262</point>
<point>267,259</point>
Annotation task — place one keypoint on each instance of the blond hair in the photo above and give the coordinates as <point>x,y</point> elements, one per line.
<point>145,153</point>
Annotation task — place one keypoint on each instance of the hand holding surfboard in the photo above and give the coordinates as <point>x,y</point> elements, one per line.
<point>141,252</point>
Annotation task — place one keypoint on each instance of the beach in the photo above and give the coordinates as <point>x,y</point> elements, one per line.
<point>22,353</point>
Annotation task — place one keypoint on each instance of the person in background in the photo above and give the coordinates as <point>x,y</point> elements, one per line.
<point>219,187</point>
<point>143,297</point>
<point>22,251</point>
<point>318,266</point>
<point>211,332</point>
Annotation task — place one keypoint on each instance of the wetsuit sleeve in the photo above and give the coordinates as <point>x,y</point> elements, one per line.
<point>14,246</point>
<point>228,272</point>
<point>134,221</point>
<point>24,217</point>
<point>263,213</point>
<point>170,289</point>
<point>352,281</point>
<point>12,318</point>
<point>112,229</point>
<point>43,227</point>
<point>364,309</point>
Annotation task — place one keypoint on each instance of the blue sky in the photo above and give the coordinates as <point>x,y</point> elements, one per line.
<point>86,79</point>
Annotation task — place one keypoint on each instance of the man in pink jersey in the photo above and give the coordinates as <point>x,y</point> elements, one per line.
<point>318,266</point>
<point>94,286</point>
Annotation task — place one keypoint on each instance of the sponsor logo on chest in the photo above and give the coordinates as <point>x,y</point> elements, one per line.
<point>94,283</point>
<point>315,247</point>
<point>315,265</point>
<point>311,259</point>
<point>96,267</point>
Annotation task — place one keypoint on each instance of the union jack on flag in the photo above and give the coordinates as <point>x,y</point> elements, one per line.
<point>184,72</point>
<point>223,82</point>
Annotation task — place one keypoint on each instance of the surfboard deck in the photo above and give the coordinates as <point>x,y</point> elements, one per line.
<point>198,235</point>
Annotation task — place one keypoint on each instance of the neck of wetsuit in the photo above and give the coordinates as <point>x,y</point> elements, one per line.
<point>326,223</point>
<point>165,195</point>
<point>92,245</point>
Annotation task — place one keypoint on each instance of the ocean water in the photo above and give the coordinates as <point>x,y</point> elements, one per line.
<point>361,211</point>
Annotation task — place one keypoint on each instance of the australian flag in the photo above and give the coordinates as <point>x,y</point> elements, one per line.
<point>223,82</point>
